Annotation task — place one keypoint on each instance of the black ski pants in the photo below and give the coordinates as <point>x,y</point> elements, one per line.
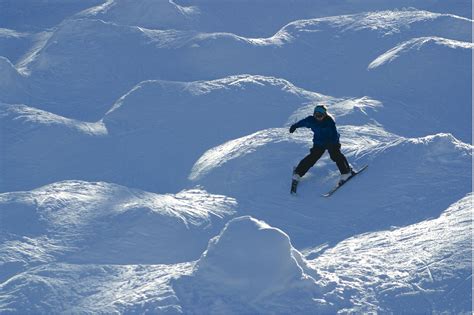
<point>315,154</point>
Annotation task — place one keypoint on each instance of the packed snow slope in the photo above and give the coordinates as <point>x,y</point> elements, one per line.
<point>145,158</point>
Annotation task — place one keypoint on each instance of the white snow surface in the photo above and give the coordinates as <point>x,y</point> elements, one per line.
<point>145,158</point>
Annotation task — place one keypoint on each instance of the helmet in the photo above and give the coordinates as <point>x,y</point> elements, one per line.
<point>321,109</point>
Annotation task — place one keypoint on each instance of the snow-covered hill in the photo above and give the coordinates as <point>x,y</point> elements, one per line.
<point>145,157</point>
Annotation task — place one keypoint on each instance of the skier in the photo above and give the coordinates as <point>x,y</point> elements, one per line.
<point>325,138</point>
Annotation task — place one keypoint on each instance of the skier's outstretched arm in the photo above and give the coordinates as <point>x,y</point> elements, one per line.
<point>301,123</point>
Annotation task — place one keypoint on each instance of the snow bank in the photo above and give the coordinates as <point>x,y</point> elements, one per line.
<point>250,267</point>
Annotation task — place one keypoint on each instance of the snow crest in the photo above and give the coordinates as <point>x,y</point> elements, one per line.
<point>417,44</point>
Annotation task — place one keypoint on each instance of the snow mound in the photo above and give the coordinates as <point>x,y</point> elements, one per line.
<point>37,142</point>
<point>147,13</point>
<point>84,222</point>
<point>152,112</point>
<point>257,18</point>
<point>80,69</point>
<point>410,64</point>
<point>424,267</point>
<point>250,267</point>
<point>16,116</point>
<point>151,99</point>
<point>218,156</point>
<point>256,170</point>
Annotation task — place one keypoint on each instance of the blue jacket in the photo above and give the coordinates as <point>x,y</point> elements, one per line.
<point>325,131</point>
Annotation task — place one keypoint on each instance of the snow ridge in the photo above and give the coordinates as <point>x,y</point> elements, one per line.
<point>36,117</point>
<point>417,44</point>
<point>388,22</point>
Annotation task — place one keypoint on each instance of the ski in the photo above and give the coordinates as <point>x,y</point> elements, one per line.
<point>294,185</point>
<point>339,185</point>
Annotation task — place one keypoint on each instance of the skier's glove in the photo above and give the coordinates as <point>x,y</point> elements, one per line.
<point>292,128</point>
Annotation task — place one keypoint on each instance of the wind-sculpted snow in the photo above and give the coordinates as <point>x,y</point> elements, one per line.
<point>417,44</point>
<point>87,289</point>
<point>79,66</point>
<point>76,221</point>
<point>36,141</point>
<point>198,116</point>
<point>387,22</point>
<point>257,19</point>
<point>189,102</point>
<point>413,269</point>
<point>146,13</point>
<point>216,157</point>
<point>14,115</point>
<point>364,141</point>
<point>154,112</point>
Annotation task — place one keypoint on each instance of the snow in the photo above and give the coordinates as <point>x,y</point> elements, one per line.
<point>145,158</point>
<point>256,267</point>
<point>407,269</point>
<point>416,43</point>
